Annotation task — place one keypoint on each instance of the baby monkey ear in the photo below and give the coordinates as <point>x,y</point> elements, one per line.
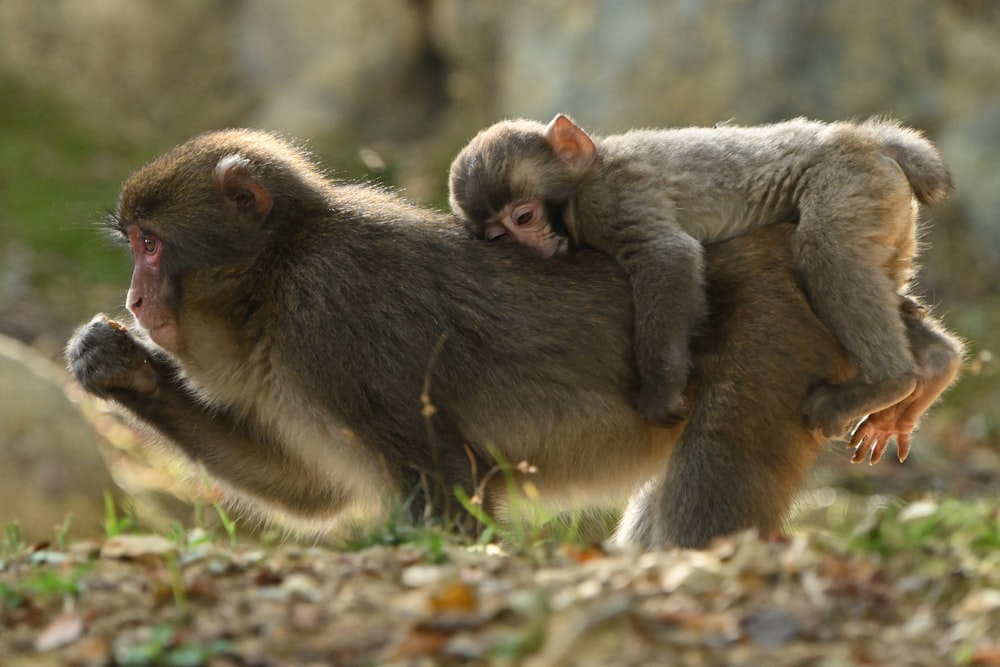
<point>571,143</point>
<point>243,193</point>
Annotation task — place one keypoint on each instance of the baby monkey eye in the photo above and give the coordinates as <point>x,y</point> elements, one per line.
<point>148,243</point>
<point>523,216</point>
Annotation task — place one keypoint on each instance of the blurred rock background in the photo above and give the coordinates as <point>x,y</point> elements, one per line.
<point>389,90</point>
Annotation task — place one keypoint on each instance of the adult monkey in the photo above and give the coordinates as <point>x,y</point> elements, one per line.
<point>300,330</point>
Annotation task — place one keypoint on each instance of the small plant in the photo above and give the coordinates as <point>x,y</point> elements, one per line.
<point>177,534</point>
<point>526,525</point>
<point>13,542</point>
<point>62,533</point>
<point>49,583</point>
<point>228,523</point>
<point>42,584</point>
<point>398,529</point>
<point>113,524</point>
<point>10,597</point>
<point>176,583</point>
<point>163,648</point>
<point>931,526</point>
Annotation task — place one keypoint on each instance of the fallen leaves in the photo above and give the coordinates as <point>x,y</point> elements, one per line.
<point>743,601</point>
<point>137,546</point>
<point>64,629</point>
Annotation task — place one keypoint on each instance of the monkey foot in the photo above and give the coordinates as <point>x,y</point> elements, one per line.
<point>833,409</point>
<point>871,440</point>
<point>873,435</point>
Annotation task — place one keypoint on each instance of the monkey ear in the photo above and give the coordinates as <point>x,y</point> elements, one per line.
<point>571,143</point>
<point>242,191</point>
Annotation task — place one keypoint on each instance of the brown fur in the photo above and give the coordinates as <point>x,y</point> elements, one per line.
<point>307,337</point>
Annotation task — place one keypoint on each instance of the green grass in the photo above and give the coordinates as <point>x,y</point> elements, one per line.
<point>56,183</point>
<point>163,648</point>
<point>115,524</point>
<point>933,528</point>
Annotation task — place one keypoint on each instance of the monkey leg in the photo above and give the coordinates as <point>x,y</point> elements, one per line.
<point>856,241</point>
<point>640,522</point>
<point>715,488</point>
<point>744,452</point>
<point>737,466</point>
<point>666,272</point>
<point>939,357</point>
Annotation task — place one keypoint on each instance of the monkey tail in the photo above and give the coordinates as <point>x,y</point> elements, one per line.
<point>917,156</point>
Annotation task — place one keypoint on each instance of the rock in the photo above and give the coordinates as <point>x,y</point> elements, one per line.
<point>336,66</point>
<point>50,461</point>
<point>409,81</point>
<point>645,62</point>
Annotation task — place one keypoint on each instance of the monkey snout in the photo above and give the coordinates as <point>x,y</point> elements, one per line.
<point>134,303</point>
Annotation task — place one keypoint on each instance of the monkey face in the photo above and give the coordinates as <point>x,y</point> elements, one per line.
<point>149,294</point>
<point>526,222</point>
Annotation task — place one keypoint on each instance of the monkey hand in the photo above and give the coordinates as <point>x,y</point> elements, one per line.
<point>663,403</point>
<point>104,358</point>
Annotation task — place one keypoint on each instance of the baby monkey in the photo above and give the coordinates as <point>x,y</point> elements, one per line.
<point>650,198</point>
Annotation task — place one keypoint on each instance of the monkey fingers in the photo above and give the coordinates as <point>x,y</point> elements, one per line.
<point>897,420</point>
<point>872,437</point>
<point>104,357</point>
<point>834,408</point>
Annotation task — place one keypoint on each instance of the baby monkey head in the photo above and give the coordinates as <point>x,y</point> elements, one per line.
<point>514,179</point>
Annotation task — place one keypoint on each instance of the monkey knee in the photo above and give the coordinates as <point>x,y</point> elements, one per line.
<point>937,353</point>
<point>940,361</point>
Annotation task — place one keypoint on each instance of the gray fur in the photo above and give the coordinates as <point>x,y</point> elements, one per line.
<point>653,196</point>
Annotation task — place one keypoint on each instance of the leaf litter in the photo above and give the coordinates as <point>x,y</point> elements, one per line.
<point>141,599</point>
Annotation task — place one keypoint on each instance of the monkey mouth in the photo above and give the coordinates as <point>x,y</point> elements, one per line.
<point>164,334</point>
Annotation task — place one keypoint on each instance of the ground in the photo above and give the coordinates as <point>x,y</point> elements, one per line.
<point>917,584</point>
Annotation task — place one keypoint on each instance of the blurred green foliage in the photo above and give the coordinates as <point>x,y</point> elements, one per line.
<point>56,184</point>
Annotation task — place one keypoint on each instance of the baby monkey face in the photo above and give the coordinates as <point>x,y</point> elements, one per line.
<point>526,222</point>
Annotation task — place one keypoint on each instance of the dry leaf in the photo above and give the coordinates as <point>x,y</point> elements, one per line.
<point>456,597</point>
<point>64,629</point>
<point>137,546</point>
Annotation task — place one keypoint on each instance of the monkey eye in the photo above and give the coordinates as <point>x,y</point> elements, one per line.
<point>496,235</point>
<point>148,243</point>
<point>523,216</point>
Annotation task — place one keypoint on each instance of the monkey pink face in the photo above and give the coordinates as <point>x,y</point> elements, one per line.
<point>525,222</point>
<point>147,295</point>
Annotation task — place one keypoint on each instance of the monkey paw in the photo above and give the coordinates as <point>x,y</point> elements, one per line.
<point>834,409</point>
<point>104,357</point>
<point>873,435</point>
<point>820,412</point>
<point>663,405</point>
